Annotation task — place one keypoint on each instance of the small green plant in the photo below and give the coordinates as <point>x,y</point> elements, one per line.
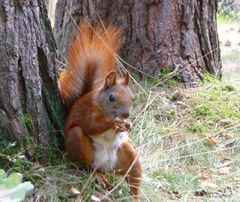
<point>178,182</point>
<point>29,124</point>
<point>12,188</point>
<point>198,127</point>
<point>203,110</point>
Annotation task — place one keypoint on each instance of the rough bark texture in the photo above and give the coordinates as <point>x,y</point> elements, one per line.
<point>157,33</point>
<point>29,101</point>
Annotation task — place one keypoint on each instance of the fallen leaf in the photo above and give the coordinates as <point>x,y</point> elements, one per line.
<point>225,122</point>
<point>226,192</point>
<point>204,176</point>
<point>175,194</point>
<point>75,191</point>
<point>224,170</point>
<point>227,136</point>
<point>172,130</point>
<point>225,162</point>
<point>225,139</point>
<point>95,199</point>
<point>211,138</point>
<point>182,104</point>
<point>200,193</point>
<point>207,184</point>
<point>225,143</point>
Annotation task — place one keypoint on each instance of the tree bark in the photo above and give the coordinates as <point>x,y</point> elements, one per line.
<point>156,34</point>
<point>29,100</point>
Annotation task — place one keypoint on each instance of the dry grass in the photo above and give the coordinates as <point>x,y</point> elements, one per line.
<point>176,151</point>
<point>188,142</point>
<point>174,136</point>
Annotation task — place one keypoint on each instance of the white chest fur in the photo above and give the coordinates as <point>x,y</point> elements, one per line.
<point>106,146</point>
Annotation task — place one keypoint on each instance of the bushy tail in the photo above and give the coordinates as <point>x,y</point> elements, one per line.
<point>91,56</point>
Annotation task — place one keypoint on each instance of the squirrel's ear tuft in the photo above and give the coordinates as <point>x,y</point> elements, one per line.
<point>127,78</point>
<point>110,79</point>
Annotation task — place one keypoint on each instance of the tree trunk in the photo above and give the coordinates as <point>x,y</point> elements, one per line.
<point>29,100</point>
<point>157,34</point>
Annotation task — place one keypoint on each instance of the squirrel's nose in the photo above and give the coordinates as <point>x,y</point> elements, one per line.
<point>125,115</point>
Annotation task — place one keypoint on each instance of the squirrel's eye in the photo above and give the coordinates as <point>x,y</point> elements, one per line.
<point>112,98</point>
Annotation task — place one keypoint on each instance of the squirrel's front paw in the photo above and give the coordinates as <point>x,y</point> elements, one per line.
<point>128,124</point>
<point>122,126</point>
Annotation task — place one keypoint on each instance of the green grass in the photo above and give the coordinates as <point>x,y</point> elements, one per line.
<point>230,57</point>
<point>170,135</point>
<point>227,19</point>
<point>29,124</point>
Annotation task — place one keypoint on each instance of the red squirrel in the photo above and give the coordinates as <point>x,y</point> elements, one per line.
<point>100,101</point>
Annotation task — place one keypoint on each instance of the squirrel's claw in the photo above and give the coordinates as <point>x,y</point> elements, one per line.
<point>102,179</point>
<point>122,126</point>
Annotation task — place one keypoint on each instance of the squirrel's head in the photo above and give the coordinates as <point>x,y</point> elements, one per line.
<point>115,97</point>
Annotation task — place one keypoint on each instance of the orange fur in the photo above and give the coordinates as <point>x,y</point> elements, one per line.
<point>91,56</point>
<point>87,114</point>
<point>127,157</point>
<point>86,118</point>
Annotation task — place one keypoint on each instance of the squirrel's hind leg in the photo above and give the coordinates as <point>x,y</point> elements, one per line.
<point>79,147</point>
<point>129,165</point>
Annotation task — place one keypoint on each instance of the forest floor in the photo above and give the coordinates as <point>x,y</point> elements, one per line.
<point>188,141</point>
